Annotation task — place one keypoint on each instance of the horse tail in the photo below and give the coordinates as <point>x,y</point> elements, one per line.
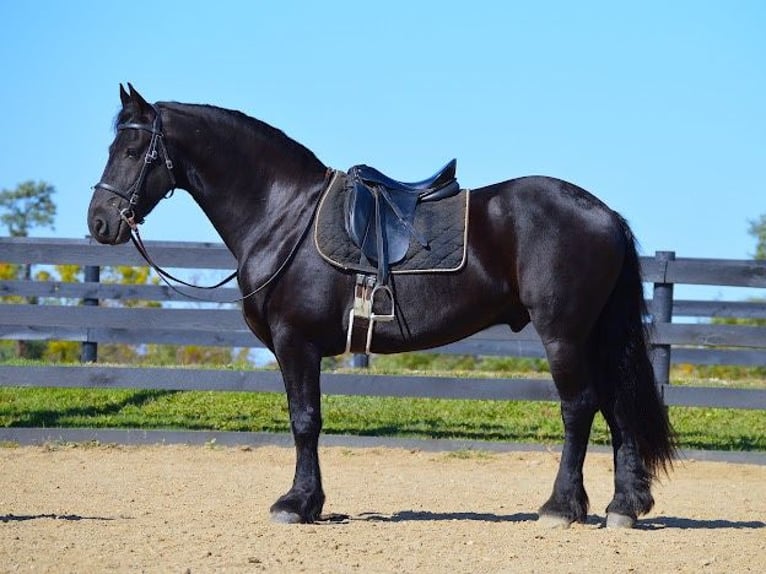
<point>627,377</point>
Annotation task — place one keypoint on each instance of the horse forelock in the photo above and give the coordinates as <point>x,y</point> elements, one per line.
<point>129,113</point>
<point>120,118</point>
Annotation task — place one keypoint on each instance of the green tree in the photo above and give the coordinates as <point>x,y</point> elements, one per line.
<point>29,205</point>
<point>758,230</point>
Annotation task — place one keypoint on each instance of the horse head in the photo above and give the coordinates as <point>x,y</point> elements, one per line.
<point>134,179</point>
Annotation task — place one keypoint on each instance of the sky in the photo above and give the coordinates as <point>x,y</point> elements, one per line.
<point>656,107</point>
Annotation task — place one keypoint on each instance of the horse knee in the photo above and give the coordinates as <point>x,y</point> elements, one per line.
<point>306,422</point>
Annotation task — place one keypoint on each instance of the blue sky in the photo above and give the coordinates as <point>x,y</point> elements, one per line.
<point>657,107</point>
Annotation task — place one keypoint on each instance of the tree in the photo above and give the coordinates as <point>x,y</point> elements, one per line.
<point>758,230</point>
<point>29,205</point>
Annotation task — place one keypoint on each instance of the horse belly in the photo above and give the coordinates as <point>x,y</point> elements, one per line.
<point>435,310</point>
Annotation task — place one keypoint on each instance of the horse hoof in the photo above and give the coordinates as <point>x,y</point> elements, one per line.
<point>614,520</point>
<point>284,517</point>
<point>553,521</point>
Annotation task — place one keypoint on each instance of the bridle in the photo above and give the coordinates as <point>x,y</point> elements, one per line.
<point>131,195</point>
<point>156,148</point>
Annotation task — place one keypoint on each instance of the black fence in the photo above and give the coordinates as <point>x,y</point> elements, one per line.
<point>682,329</point>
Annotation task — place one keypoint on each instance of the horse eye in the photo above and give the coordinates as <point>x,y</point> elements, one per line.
<point>131,153</point>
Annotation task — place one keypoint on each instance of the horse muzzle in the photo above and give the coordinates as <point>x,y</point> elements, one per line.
<point>106,224</point>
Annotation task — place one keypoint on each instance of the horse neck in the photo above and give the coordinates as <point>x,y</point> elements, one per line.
<point>250,179</point>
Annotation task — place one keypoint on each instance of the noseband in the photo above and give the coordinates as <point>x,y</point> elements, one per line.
<point>156,147</point>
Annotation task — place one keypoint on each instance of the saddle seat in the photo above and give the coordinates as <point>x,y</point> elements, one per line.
<point>438,180</point>
<point>380,212</point>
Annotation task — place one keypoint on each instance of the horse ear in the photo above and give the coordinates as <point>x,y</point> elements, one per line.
<point>136,98</point>
<point>124,96</point>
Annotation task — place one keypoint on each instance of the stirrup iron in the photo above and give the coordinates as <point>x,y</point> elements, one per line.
<point>366,290</point>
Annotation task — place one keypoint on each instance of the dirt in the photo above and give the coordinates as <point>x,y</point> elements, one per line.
<point>189,509</point>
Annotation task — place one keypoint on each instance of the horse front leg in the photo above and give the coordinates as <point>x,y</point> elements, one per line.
<point>300,365</point>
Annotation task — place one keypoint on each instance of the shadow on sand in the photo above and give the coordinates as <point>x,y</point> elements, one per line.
<point>51,516</point>
<point>653,523</point>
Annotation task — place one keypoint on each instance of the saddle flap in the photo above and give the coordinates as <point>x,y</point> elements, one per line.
<point>379,224</point>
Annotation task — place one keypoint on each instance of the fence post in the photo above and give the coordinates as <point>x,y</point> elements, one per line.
<point>662,312</point>
<point>92,274</point>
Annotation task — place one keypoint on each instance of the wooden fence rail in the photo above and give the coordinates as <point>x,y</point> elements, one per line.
<point>89,312</point>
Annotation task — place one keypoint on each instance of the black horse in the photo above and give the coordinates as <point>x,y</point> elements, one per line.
<point>539,249</point>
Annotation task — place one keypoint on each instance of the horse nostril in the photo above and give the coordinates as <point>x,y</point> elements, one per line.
<point>100,227</point>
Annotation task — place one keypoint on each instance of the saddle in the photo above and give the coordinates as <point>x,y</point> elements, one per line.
<point>380,212</point>
<point>379,217</point>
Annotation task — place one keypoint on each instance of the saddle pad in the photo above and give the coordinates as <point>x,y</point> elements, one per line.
<point>444,223</point>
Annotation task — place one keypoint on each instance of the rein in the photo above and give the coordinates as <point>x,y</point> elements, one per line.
<point>166,277</point>
<point>135,236</point>
<point>128,215</point>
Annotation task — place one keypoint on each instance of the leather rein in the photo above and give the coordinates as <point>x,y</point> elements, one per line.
<point>128,215</point>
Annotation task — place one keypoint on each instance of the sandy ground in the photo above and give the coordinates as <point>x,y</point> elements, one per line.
<point>205,509</point>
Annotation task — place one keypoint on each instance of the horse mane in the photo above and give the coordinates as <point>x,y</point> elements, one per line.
<point>239,121</point>
<point>236,120</point>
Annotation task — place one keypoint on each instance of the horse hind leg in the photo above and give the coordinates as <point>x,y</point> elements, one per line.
<point>642,437</point>
<point>584,382</point>
<point>569,501</point>
<point>632,480</point>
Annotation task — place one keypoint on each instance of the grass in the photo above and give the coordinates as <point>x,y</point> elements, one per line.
<point>539,422</point>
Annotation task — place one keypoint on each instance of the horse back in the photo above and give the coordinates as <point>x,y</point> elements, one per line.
<point>537,213</point>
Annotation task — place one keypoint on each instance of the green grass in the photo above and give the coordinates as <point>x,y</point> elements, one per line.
<point>697,428</point>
